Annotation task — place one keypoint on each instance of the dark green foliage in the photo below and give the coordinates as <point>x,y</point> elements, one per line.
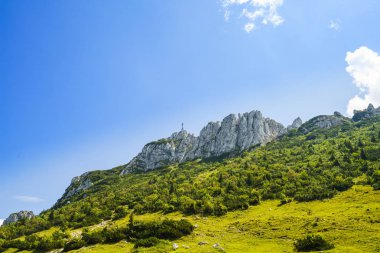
<point>312,243</point>
<point>120,212</point>
<point>114,234</point>
<point>143,232</point>
<point>148,242</point>
<point>168,229</point>
<point>73,244</point>
<point>34,242</point>
<point>295,167</point>
<point>93,237</point>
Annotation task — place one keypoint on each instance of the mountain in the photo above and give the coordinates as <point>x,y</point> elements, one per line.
<point>367,113</point>
<point>246,162</point>
<point>22,215</point>
<point>228,138</point>
<point>233,134</point>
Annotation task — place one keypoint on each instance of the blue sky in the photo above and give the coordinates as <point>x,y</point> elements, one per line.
<point>85,84</point>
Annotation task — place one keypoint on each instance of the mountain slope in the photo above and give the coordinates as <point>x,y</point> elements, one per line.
<point>299,166</point>
<point>233,134</point>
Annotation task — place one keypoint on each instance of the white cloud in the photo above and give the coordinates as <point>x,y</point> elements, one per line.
<point>249,27</point>
<point>364,68</point>
<point>1,222</point>
<point>254,11</point>
<point>334,25</point>
<point>29,199</point>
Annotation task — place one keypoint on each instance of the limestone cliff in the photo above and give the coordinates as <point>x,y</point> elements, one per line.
<point>234,133</point>
<point>22,215</point>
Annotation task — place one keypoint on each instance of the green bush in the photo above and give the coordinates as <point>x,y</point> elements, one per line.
<point>92,237</point>
<point>148,242</point>
<point>312,243</point>
<point>73,244</point>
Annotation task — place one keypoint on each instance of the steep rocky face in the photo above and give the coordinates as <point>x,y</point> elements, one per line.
<point>22,215</point>
<point>366,113</point>
<point>296,124</point>
<point>77,184</point>
<point>234,133</point>
<point>164,151</point>
<point>323,121</point>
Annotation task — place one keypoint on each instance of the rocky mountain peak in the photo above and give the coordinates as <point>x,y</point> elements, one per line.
<point>296,124</point>
<point>323,121</point>
<point>370,108</point>
<point>234,133</point>
<point>22,215</point>
<point>366,113</point>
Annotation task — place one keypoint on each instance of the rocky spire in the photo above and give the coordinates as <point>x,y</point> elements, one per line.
<point>296,124</point>
<point>366,113</point>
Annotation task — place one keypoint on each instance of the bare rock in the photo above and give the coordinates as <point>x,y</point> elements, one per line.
<point>234,134</point>
<point>366,113</point>
<point>22,215</point>
<point>323,121</point>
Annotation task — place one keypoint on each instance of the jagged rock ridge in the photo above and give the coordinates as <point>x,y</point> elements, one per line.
<point>22,215</point>
<point>366,113</point>
<point>234,133</point>
<point>77,184</point>
<point>323,121</point>
<point>296,124</point>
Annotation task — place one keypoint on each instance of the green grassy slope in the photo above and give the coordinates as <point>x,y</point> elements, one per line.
<point>350,220</point>
<point>300,171</point>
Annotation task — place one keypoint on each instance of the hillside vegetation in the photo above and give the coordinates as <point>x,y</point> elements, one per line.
<point>274,192</point>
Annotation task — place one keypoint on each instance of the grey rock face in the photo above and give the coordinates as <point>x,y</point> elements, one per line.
<point>323,121</point>
<point>234,133</point>
<point>22,215</point>
<point>78,184</point>
<point>366,113</point>
<point>296,124</point>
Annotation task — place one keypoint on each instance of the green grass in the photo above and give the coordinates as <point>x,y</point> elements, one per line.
<point>329,166</point>
<point>350,220</point>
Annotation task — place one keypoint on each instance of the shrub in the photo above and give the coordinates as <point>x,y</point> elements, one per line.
<point>74,244</point>
<point>312,243</point>
<point>168,229</point>
<point>148,242</point>
<point>114,234</point>
<point>92,237</point>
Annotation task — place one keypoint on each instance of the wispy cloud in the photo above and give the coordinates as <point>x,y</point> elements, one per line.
<point>364,67</point>
<point>254,12</point>
<point>249,27</point>
<point>28,199</point>
<point>334,25</point>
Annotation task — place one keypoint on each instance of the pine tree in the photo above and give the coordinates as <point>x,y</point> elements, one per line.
<point>363,155</point>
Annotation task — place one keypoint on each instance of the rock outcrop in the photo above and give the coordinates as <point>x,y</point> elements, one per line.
<point>366,113</point>
<point>77,184</point>
<point>235,133</point>
<point>296,124</point>
<point>22,215</point>
<point>323,121</point>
